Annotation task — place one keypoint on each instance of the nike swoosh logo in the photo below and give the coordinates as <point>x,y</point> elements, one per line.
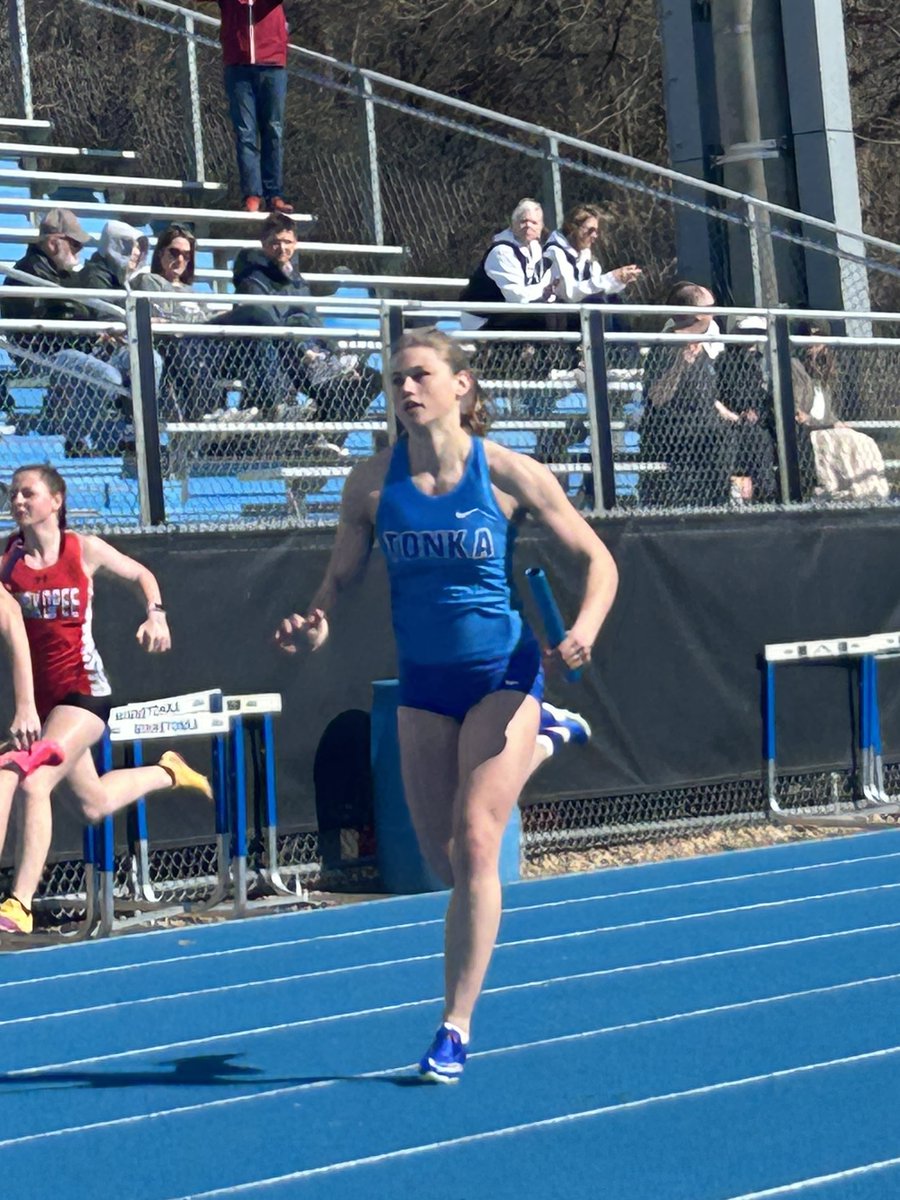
<point>460,516</point>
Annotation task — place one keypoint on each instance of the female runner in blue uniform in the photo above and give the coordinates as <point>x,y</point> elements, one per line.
<point>441,503</point>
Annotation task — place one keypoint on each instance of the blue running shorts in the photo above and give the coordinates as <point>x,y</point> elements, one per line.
<point>451,689</point>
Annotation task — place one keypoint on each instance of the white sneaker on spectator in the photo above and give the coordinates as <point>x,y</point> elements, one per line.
<point>321,445</point>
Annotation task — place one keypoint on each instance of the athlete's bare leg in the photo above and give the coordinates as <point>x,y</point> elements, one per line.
<point>461,785</point>
<point>495,750</point>
<point>76,730</point>
<point>429,753</point>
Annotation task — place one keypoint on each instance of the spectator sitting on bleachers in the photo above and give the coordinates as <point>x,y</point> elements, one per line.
<point>576,272</point>
<point>745,394</point>
<point>84,389</point>
<point>271,271</point>
<point>53,260</point>
<point>339,386</point>
<point>186,366</point>
<point>836,461</point>
<point>515,270</point>
<point>120,251</point>
<point>172,270</point>
<point>681,426</point>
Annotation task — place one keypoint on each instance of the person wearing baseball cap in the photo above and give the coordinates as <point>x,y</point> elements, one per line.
<point>63,223</point>
<point>53,260</point>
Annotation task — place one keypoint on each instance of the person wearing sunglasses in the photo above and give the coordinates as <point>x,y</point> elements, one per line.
<point>172,270</point>
<point>53,260</point>
<point>185,376</point>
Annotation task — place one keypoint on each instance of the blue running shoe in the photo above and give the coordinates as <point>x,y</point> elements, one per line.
<point>561,727</point>
<point>444,1059</point>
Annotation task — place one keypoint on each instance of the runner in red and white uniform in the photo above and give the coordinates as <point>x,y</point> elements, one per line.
<point>57,601</point>
<point>49,570</point>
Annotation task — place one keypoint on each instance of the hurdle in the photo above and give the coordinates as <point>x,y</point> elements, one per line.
<point>229,722</point>
<point>871,802</point>
<point>193,715</point>
<point>252,722</point>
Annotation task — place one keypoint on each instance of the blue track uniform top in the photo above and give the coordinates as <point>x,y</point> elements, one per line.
<point>448,560</point>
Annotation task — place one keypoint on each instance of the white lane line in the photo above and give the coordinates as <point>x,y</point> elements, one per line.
<point>547,1123</point>
<point>789,1189</point>
<point>695,883</point>
<point>561,1039</point>
<point>402,926</point>
<point>500,990</point>
<point>598,931</point>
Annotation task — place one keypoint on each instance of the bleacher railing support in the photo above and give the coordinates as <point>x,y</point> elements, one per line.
<point>552,197</point>
<point>391,333</point>
<point>189,86</point>
<point>145,413</point>
<point>789,483</point>
<point>374,217</point>
<point>21,62</point>
<point>603,471</point>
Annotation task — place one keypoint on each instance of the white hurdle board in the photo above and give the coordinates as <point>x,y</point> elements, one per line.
<point>189,715</point>
<point>831,648</point>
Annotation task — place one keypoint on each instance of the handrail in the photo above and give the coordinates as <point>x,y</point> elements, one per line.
<point>533,130</point>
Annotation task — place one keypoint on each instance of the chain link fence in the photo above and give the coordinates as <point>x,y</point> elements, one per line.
<point>259,425</point>
<point>188,873</point>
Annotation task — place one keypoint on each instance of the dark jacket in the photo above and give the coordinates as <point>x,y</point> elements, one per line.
<point>36,263</point>
<point>253,33</point>
<point>255,273</point>
<point>101,273</point>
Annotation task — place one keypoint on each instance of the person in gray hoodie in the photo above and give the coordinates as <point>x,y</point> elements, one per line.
<point>91,393</point>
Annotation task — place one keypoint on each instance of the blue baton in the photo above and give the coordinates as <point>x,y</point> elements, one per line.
<point>551,618</point>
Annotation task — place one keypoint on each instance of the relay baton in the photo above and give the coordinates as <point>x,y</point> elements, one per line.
<point>550,614</point>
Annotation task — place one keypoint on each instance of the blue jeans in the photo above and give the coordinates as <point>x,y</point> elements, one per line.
<point>256,103</point>
<point>90,399</point>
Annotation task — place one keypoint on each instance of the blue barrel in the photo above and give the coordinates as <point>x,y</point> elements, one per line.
<point>402,868</point>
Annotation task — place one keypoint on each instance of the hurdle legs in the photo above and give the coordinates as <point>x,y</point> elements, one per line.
<point>872,799</point>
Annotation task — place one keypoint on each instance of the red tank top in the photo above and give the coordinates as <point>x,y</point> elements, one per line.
<point>56,603</point>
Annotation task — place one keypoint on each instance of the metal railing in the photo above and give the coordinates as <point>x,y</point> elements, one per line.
<point>399,195</point>
<point>236,421</point>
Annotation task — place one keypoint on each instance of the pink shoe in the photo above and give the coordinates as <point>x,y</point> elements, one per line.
<point>43,753</point>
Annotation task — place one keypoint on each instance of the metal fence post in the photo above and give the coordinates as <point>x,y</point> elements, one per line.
<point>552,183</point>
<point>762,257</point>
<point>391,333</point>
<point>144,410</point>
<point>374,216</point>
<point>21,63</point>
<point>189,87</point>
<point>789,483</point>
<point>603,470</point>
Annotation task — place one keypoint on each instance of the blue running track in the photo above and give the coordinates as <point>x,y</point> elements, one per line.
<point>721,1028</point>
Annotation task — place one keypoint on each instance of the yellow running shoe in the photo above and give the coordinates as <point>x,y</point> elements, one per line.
<point>15,917</point>
<point>183,775</point>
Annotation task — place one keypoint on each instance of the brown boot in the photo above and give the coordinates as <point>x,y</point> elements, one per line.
<point>252,204</point>
<point>279,204</point>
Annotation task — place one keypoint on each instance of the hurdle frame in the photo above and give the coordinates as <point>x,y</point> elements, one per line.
<point>871,799</point>
<point>227,720</point>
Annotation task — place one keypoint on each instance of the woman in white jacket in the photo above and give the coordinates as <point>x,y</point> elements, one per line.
<point>577,275</point>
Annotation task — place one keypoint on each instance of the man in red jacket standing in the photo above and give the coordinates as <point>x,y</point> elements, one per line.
<point>254,40</point>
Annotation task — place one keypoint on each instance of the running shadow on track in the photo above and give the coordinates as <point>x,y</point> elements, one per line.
<point>207,1070</point>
